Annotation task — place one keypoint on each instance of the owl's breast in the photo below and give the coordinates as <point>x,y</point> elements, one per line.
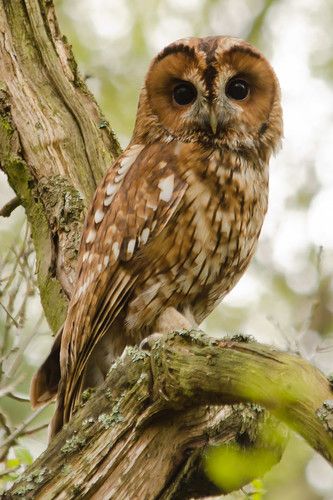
<point>217,227</point>
<point>209,241</point>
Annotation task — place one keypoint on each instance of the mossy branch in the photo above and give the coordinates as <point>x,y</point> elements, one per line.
<point>150,419</point>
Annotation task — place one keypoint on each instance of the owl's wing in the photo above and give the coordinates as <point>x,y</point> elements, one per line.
<point>131,207</point>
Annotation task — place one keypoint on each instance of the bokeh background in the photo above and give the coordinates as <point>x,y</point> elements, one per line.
<point>286,297</point>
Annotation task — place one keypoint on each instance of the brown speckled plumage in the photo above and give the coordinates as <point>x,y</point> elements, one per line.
<point>176,220</point>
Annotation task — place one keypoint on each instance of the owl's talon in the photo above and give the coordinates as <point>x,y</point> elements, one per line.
<point>147,343</point>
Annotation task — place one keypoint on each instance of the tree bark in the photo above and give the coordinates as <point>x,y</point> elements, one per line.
<point>147,432</point>
<point>55,143</point>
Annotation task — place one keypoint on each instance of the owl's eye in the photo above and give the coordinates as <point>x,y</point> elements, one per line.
<point>237,89</point>
<point>184,93</point>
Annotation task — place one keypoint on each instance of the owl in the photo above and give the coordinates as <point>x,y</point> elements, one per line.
<point>175,221</point>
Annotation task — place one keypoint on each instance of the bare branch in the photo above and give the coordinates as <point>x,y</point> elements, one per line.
<point>19,430</point>
<point>9,207</point>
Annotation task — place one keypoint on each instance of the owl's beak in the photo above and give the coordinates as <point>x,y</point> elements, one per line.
<point>213,121</point>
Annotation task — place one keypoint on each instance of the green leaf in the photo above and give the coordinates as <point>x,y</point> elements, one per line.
<point>23,455</point>
<point>11,463</point>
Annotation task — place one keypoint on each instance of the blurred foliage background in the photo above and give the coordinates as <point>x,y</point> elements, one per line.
<point>286,296</point>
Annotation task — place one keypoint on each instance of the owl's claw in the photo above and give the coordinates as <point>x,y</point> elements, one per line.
<point>147,343</point>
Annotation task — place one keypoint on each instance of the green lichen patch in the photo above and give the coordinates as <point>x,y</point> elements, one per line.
<point>38,475</point>
<point>88,421</point>
<point>136,354</point>
<point>115,365</point>
<point>197,336</point>
<point>63,203</point>
<point>22,491</point>
<point>325,414</point>
<point>115,417</point>
<point>242,337</point>
<point>66,469</point>
<point>76,442</point>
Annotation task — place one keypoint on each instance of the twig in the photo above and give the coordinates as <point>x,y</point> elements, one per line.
<point>35,429</point>
<point>8,314</point>
<point>9,207</point>
<point>21,399</point>
<point>15,434</point>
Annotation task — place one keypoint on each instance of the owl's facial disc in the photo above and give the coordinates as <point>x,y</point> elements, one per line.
<point>217,90</point>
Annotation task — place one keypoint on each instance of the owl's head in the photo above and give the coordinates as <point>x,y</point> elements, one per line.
<point>214,90</point>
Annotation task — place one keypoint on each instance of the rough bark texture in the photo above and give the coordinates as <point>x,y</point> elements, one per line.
<point>144,434</point>
<point>54,143</point>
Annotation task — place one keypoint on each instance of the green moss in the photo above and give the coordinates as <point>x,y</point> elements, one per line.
<point>53,299</point>
<point>5,125</point>
<point>86,395</point>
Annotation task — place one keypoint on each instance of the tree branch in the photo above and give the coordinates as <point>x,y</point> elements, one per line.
<point>150,419</point>
<point>9,207</point>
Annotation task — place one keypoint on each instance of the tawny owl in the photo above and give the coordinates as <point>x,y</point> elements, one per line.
<point>176,220</point>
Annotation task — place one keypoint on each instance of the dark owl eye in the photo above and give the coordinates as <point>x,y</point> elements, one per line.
<point>184,93</point>
<point>237,89</point>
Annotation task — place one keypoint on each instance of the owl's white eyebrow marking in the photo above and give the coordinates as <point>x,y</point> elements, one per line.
<point>99,216</point>
<point>166,186</point>
<point>91,236</point>
<point>144,235</point>
<point>115,249</point>
<point>131,246</point>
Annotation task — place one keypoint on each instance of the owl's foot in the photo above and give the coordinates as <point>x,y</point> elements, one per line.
<point>170,320</point>
<point>147,343</point>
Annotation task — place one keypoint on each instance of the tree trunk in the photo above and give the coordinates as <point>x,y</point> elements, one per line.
<point>55,143</point>
<point>147,431</point>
